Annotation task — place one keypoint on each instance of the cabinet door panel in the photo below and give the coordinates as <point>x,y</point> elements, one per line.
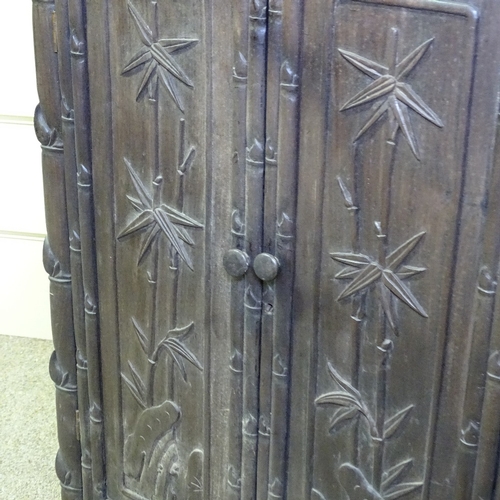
<point>388,243</point>
<point>163,218</point>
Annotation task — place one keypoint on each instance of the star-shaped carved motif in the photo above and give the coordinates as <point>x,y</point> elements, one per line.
<point>156,218</point>
<point>365,271</point>
<point>399,96</point>
<point>157,56</point>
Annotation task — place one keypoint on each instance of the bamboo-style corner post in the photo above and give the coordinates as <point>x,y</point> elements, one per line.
<point>56,249</point>
<point>91,415</point>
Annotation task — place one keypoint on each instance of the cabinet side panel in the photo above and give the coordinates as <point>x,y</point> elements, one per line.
<point>48,127</point>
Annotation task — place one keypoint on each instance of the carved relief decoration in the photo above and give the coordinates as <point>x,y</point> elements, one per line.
<point>159,63</point>
<point>152,462</point>
<point>156,218</point>
<point>388,84</point>
<point>156,462</point>
<point>350,405</point>
<point>375,478</point>
<point>365,271</point>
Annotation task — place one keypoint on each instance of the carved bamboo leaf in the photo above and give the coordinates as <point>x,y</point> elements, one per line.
<point>144,196</point>
<point>396,473</point>
<point>342,415</point>
<point>401,490</point>
<point>396,258</point>
<point>339,399</point>
<point>351,259</point>
<point>367,66</point>
<point>379,111</point>
<point>175,44</point>
<point>154,218</point>
<point>168,228</point>
<point>402,292</point>
<point>409,271</point>
<point>146,245</point>
<point>365,278</point>
<point>184,236</point>
<point>343,383</point>
<point>387,306</point>
<point>347,400</point>
<point>141,387</point>
<point>179,218</point>
<point>169,84</point>
<point>182,332</point>
<point>143,340</point>
<point>412,59</point>
<point>177,349</point>
<point>144,31</point>
<point>143,56</point>
<point>137,204</point>
<point>182,350</point>
<point>180,364</point>
<point>400,113</point>
<point>167,62</point>
<point>347,274</point>
<point>392,424</point>
<point>142,221</point>
<point>405,94</point>
<point>364,272</point>
<point>146,79</point>
<point>384,85</point>
<point>134,391</point>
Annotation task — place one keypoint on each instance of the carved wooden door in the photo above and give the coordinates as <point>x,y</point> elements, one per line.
<point>273,258</point>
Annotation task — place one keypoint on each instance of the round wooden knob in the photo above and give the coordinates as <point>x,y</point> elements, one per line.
<point>236,262</point>
<point>266,266</point>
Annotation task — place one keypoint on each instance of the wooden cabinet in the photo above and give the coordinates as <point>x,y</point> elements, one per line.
<point>273,247</point>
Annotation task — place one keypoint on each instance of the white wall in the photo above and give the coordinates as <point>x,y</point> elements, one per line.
<point>24,288</point>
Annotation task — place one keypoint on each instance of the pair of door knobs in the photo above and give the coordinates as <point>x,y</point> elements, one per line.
<point>237,262</point>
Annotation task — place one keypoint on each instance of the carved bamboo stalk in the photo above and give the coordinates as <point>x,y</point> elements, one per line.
<point>479,336</point>
<point>480,331</point>
<point>238,181</point>
<point>79,70</point>
<point>382,228</point>
<point>175,258</point>
<point>286,202</point>
<point>489,437</point>
<point>254,197</point>
<point>481,408</point>
<point>279,216</point>
<point>155,253</point>
<point>56,249</point>
<point>382,358</point>
<point>273,66</point>
<point>155,257</point>
<point>68,131</point>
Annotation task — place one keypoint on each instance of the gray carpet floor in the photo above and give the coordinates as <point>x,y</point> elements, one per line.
<point>28,442</point>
